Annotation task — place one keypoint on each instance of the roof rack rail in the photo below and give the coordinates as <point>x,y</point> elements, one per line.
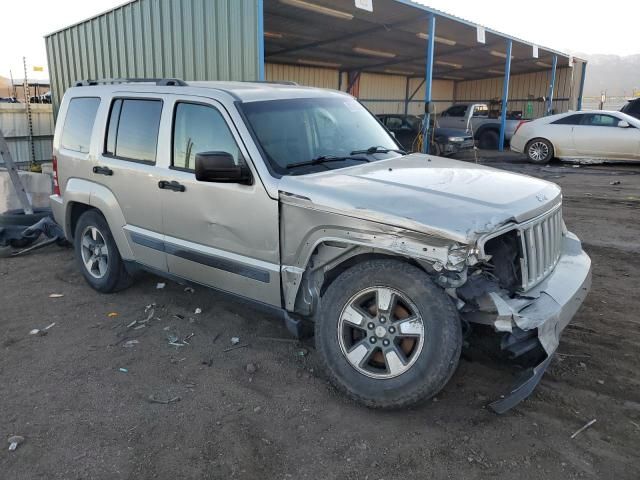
<point>161,82</point>
<point>274,82</point>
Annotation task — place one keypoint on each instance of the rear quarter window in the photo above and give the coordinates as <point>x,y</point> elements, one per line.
<point>78,124</point>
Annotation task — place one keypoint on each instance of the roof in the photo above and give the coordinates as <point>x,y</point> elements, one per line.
<point>239,91</point>
<point>392,39</point>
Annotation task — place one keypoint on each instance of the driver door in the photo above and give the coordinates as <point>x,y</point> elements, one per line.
<point>223,235</point>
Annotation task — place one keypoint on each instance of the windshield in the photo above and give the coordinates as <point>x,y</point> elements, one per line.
<point>300,130</point>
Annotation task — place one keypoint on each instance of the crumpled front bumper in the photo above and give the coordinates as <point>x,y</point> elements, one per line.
<point>547,309</point>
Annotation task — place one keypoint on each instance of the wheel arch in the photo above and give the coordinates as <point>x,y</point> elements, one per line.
<point>81,196</point>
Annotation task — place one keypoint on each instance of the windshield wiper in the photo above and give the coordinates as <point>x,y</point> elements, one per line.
<point>377,149</point>
<point>325,159</point>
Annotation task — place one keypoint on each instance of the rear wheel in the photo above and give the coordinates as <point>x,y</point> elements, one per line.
<point>488,140</point>
<point>539,150</point>
<point>388,336</point>
<point>97,254</point>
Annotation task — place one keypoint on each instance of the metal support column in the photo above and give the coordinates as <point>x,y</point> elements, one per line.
<point>261,76</point>
<point>552,85</point>
<point>584,74</point>
<point>406,95</point>
<point>505,95</point>
<point>431,30</point>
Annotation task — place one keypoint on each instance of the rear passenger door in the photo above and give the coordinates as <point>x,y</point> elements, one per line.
<point>454,117</point>
<point>224,235</point>
<point>127,167</point>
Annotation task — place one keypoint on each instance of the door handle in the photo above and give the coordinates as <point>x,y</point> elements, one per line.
<point>103,171</point>
<point>173,185</point>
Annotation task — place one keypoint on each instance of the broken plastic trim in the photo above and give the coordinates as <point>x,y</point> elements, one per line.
<point>523,389</point>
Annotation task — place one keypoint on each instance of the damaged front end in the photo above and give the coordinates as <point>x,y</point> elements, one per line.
<point>531,280</point>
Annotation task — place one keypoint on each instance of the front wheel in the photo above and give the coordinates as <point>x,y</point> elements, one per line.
<point>387,335</point>
<point>539,150</point>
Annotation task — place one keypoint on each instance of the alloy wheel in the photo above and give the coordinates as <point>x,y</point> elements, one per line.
<point>381,333</point>
<point>95,253</point>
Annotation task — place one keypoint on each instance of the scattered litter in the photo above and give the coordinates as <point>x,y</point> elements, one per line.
<point>635,424</point>
<point>257,409</point>
<point>187,338</point>
<point>14,441</point>
<point>112,314</point>
<point>132,324</point>
<point>615,182</point>
<point>139,327</point>
<point>251,368</point>
<point>302,352</point>
<point>36,331</point>
<point>576,166</point>
<point>124,370</point>
<point>178,316</point>
<point>600,382</point>
<point>278,339</point>
<point>177,360</point>
<point>130,343</point>
<point>235,340</point>
<point>161,285</point>
<point>216,337</point>
<point>167,328</point>
<point>236,347</point>
<point>580,430</point>
<point>56,295</point>
<point>189,290</point>
<point>197,311</point>
<point>149,307</point>
<point>151,398</point>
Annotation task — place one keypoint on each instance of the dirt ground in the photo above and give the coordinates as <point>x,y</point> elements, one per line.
<point>83,417</point>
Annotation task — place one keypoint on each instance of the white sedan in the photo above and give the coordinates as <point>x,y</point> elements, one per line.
<point>584,135</point>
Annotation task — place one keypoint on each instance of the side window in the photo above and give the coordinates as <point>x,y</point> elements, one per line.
<point>394,123</point>
<point>78,124</point>
<point>132,132</point>
<point>480,111</point>
<point>456,111</point>
<point>200,128</point>
<point>599,120</point>
<point>570,120</point>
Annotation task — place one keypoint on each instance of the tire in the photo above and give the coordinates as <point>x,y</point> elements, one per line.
<point>539,151</point>
<point>18,217</point>
<point>427,364</point>
<point>488,140</point>
<point>108,273</point>
<point>435,149</point>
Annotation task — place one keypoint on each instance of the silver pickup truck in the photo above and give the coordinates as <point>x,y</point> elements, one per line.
<point>299,201</point>
<point>476,119</point>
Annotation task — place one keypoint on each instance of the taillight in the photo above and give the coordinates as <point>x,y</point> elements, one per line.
<point>520,123</point>
<point>56,185</point>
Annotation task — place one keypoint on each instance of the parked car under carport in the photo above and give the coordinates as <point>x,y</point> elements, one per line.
<point>407,128</point>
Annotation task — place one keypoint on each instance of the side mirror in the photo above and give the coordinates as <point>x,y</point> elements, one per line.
<point>220,167</point>
<point>623,124</point>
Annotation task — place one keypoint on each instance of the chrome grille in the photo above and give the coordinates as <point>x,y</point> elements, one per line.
<point>541,242</point>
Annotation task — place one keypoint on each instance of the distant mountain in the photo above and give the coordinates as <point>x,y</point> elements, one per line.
<point>618,76</point>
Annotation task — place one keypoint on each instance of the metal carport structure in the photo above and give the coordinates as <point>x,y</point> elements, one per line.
<point>401,37</point>
<point>397,54</point>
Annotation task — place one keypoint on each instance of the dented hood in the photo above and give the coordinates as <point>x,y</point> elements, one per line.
<point>434,195</point>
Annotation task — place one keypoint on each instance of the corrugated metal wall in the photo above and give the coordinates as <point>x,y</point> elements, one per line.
<point>525,91</point>
<point>386,93</point>
<point>14,126</point>
<point>187,39</point>
<point>303,75</point>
